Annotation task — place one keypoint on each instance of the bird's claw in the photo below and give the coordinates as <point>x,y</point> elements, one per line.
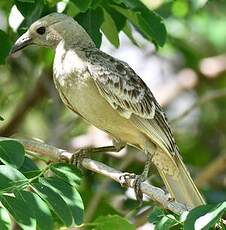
<point>124,181</point>
<point>137,189</point>
<point>78,156</point>
<point>125,177</point>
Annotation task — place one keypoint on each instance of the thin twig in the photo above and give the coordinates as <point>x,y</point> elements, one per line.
<point>209,97</point>
<point>211,171</point>
<point>56,154</point>
<point>93,204</point>
<point>37,93</point>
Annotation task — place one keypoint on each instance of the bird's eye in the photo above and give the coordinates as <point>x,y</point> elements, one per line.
<point>41,30</point>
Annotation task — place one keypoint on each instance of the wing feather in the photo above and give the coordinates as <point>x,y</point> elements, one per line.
<point>129,95</point>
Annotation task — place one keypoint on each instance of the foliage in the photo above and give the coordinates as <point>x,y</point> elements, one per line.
<point>38,194</point>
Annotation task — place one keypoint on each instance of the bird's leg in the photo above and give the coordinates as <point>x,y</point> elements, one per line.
<point>141,178</point>
<point>82,153</point>
<point>118,144</point>
<point>138,178</point>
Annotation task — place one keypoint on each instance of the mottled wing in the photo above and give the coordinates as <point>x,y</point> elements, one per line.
<point>129,95</point>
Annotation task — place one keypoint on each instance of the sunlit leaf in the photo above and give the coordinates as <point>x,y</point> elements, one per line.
<point>68,173</point>
<point>5,220</point>
<point>91,21</point>
<point>11,178</point>
<point>83,5</point>
<point>128,31</point>
<point>148,22</point>
<point>166,223</point>
<point>194,214</point>
<point>39,208</point>
<point>12,153</point>
<point>113,222</point>
<point>29,168</point>
<point>109,28</point>
<point>70,195</point>
<point>55,201</point>
<point>204,217</point>
<point>31,10</point>
<point>156,215</point>
<point>20,211</point>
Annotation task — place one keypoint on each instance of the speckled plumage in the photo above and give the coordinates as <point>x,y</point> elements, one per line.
<point>110,95</point>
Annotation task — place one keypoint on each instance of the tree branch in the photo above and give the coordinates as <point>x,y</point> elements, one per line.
<point>37,93</point>
<point>206,98</point>
<point>211,171</point>
<point>155,193</point>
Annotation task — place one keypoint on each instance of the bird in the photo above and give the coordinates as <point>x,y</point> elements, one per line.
<point>107,93</point>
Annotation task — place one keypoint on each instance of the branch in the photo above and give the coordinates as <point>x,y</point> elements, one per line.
<point>215,94</point>
<point>97,197</point>
<point>155,193</point>
<point>30,99</point>
<point>211,171</point>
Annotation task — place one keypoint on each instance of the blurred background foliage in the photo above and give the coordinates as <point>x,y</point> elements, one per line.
<point>183,68</point>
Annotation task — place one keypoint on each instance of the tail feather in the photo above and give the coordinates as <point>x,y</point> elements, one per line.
<point>182,187</point>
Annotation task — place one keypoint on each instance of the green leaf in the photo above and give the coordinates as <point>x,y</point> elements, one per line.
<point>156,215</point>
<point>128,31</point>
<point>1,118</point>
<point>4,49</point>
<point>112,222</point>
<point>91,21</point>
<point>55,201</point>
<point>39,209</point>
<point>148,22</point>
<point>119,19</point>
<point>31,10</point>
<point>20,211</point>
<point>204,217</point>
<point>12,153</point>
<point>196,4</point>
<point>28,1</point>
<point>194,214</point>
<point>5,221</point>
<point>95,3</point>
<point>70,195</point>
<point>68,173</point>
<point>10,178</point>
<point>166,223</point>
<point>83,5</point>
<point>29,168</point>
<point>72,9</point>
<point>109,28</point>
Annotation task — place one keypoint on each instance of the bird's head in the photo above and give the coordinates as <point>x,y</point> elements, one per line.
<point>50,30</point>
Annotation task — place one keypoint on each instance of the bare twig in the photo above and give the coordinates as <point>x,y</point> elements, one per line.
<point>30,99</point>
<point>93,204</point>
<point>56,154</point>
<point>211,171</point>
<point>209,97</point>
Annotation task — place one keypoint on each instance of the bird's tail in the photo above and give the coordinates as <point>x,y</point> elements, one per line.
<point>182,187</point>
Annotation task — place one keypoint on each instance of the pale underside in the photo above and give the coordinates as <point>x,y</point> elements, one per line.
<point>107,93</point>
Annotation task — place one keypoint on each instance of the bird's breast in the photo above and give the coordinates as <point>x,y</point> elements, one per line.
<point>80,93</point>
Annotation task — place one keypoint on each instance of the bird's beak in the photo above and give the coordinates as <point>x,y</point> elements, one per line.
<point>21,42</point>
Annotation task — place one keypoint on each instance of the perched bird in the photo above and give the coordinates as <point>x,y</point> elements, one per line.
<point>107,93</point>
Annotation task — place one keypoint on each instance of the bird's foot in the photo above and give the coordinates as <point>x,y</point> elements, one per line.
<point>78,157</point>
<point>137,188</point>
<point>124,181</point>
<point>125,177</point>
<point>170,198</point>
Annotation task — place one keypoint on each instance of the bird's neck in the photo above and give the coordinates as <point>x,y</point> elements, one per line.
<point>76,38</point>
